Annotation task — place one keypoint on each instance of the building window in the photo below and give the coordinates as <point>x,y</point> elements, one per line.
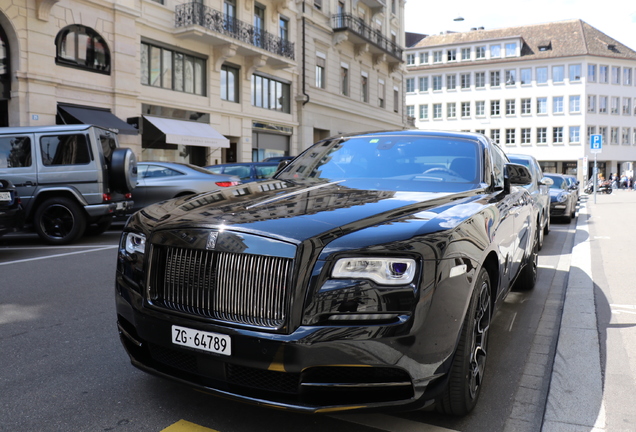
<point>410,59</point>
<point>591,103</point>
<point>82,47</point>
<point>437,82</point>
<point>451,110</point>
<point>381,93</point>
<point>614,135</point>
<point>557,74</point>
<point>424,58</point>
<point>615,104</point>
<point>495,79</point>
<point>364,88</point>
<point>465,109</point>
<point>481,131</point>
<point>526,106</point>
<point>480,52</point>
<point>542,105</point>
<point>575,104</point>
<point>526,76</point>
<point>495,135</point>
<point>557,105</point>
<point>321,64</point>
<point>410,111</point>
<point>575,73</point>
<point>465,53</point>
<point>480,108</point>
<point>423,84</point>
<point>575,134</point>
<point>344,81</point>
<point>451,82</point>
<point>616,75</point>
<point>396,100</point>
<point>625,137</point>
<point>410,85</point>
<point>495,51</point>
<point>602,131</point>
<point>437,111</point>
<point>495,107</point>
<point>526,134</point>
<point>591,73</point>
<point>173,70</point>
<point>229,83</point>
<point>451,55</point>
<point>542,135</point>
<point>480,79</point>
<point>511,49</point>
<point>511,137</point>
<point>542,75</point>
<point>423,112</point>
<point>603,74</point>
<point>591,130</point>
<point>318,4</point>
<point>511,77</point>
<point>627,76</point>
<point>465,81</point>
<point>270,94</point>
<point>437,56</point>
<point>627,106</point>
<point>511,106</point>
<point>283,28</point>
<point>557,135</point>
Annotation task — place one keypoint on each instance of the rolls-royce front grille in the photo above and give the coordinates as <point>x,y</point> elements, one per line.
<point>232,287</point>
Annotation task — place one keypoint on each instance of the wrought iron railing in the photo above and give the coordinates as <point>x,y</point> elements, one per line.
<point>343,22</point>
<point>188,14</point>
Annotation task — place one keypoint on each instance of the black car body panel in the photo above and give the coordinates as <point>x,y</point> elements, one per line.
<point>262,269</point>
<point>11,211</point>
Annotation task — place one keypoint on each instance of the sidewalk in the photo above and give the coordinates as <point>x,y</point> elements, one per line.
<point>593,383</point>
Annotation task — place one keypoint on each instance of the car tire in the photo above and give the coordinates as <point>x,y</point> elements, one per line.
<point>528,277</point>
<point>59,221</point>
<point>467,369</point>
<point>546,228</point>
<point>123,170</point>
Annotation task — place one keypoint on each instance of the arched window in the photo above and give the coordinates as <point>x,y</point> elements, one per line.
<point>82,47</point>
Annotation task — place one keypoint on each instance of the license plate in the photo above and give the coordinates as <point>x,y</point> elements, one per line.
<point>206,341</point>
<point>5,196</point>
<point>120,206</point>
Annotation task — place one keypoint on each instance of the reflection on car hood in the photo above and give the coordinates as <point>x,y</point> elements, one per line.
<point>299,211</point>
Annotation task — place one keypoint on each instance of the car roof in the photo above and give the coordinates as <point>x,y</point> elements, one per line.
<point>50,128</point>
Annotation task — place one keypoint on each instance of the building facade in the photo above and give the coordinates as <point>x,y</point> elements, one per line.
<point>202,81</point>
<point>541,90</point>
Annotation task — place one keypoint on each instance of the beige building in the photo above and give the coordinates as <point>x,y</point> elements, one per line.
<point>205,81</point>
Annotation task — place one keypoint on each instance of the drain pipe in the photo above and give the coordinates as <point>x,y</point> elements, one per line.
<point>304,60</point>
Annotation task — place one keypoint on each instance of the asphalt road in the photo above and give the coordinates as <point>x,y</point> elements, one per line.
<point>62,367</point>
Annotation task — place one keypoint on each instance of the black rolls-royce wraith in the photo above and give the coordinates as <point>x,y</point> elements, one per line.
<point>364,274</point>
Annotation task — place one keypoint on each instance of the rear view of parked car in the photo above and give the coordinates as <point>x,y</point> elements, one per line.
<point>159,181</point>
<point>246,171</point>
<point>11,212</point>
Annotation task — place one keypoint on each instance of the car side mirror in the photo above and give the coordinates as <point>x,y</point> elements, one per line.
<point>281,165</point>
<point>546,181</point>
<point>517,175</point>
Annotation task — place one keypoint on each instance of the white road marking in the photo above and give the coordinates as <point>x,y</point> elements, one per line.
<point>59,255</point>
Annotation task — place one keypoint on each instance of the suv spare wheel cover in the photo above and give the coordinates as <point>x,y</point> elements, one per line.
<point>123,170</point>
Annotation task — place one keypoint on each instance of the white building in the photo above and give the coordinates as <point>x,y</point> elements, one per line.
<point>540,90</point>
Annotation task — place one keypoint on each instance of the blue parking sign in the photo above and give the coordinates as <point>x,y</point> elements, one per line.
<point>596,143</point>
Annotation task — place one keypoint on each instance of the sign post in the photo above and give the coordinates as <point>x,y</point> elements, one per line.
<point>596,147</point>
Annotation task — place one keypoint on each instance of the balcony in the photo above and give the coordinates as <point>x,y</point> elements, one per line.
<point>359,33</point>
<point>220,29</point>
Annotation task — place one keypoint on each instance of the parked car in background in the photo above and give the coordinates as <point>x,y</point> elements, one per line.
<point>539,191</point>
<point>278,158</point>
<point>11,211</point>
<point>159,181</point>
<point>71,179</point>
<point>562,199</point>
<point>365,274</point>
<point>573,183</point>
<point>246,171</point>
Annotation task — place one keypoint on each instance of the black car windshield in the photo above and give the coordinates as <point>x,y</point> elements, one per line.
<point>402,158</point>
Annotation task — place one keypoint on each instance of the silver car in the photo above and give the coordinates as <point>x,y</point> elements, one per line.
<point>159,181</point>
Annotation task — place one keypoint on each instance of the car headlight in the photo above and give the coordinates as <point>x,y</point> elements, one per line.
<point>384,271</point>
<point>563,197</point>
<point>135,243</point>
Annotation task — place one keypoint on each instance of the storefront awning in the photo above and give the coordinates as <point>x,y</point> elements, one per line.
<point>98,117</point>
<point>189,133</point>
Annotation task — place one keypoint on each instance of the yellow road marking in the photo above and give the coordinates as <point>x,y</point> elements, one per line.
<point>186,426</point>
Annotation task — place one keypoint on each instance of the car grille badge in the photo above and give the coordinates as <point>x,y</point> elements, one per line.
<point>211,243</point>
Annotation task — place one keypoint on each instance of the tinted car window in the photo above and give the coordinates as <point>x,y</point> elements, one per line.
<point>263,172</point>
<point>155,171</point>
<point>15,152</point>
<point>64,150</point>
<point>559,183</point>
<point>242,171</point>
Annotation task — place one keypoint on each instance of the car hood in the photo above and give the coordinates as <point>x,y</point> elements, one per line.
<point>295,212</point>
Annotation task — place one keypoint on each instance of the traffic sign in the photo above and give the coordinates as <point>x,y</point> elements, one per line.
<point>596,143</point>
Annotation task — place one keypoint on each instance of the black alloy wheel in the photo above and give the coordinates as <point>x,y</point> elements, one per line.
<point>469,363</point>
<point>59,221</point>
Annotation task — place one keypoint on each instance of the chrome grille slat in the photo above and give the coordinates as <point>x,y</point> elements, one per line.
<point>232,287</point>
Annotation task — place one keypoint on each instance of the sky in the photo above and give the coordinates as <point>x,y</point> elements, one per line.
<point>615,18</point>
